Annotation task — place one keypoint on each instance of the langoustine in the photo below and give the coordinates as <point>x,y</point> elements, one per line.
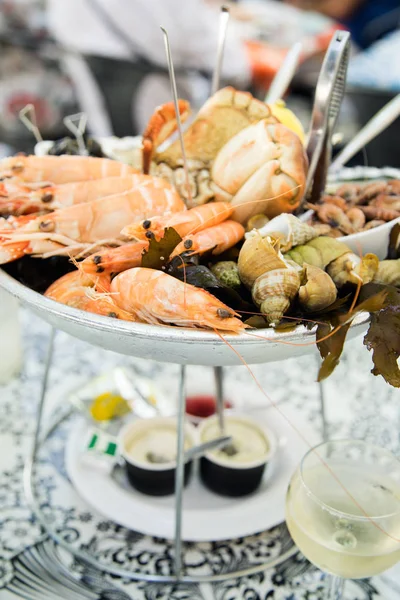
<point>19,199</point>
<point>61,169</point>
<point>78,290</point>
<point>86,226</point>
<point>154,297</point>
<point>185,223</point>
<point>215,239</point>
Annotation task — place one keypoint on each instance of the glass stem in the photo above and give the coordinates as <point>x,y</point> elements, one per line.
<point>335,587</point>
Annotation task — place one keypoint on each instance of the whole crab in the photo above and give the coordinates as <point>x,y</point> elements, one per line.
<point>237,151</point>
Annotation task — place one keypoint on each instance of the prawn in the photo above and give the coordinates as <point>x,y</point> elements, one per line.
<point>78,290</point>
<point>114,260</point>
<point>334,216</point>
<point>218,239</point>
<point>349,191</point>
<point>155,297</point>
<point>356,217</point>
<point>19,200</point>
<point>86,226</point>
<point>381,213</point>
<point>336,200</point>
<point>387,201</point>
<point>185,222</point>
<point>62,169</point>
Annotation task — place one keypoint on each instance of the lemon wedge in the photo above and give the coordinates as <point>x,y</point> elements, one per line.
<point>287,118</point>
<point>108,406</point>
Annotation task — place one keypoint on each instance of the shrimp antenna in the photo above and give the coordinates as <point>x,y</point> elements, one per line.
<point>223,25</point>
<point>178,116</point>
<point>28,117</point>
<point>76,124</point>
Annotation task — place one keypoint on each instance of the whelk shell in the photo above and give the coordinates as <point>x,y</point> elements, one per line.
<point>274,291</point>
<point>291,231</point>
<point>319,291</point>
<point>257,256</point>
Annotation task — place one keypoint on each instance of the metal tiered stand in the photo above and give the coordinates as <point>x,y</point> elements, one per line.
<point>166,344</point>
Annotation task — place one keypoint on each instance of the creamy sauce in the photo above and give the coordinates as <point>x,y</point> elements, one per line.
<point>157,442</point>
<point>250,444</point>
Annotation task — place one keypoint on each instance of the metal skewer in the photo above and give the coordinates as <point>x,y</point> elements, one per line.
<point>373,128</point>
<point>223,25</point>
<point>218,374</point>
<point>76,124</point>
<point>178,116</point>
<point>180,472</point>
<point>284,76</point>
<point>28,117</point>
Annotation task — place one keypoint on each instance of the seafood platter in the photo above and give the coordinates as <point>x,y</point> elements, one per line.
<point>210,265</point>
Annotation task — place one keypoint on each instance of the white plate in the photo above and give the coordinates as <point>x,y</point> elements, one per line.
<point>206,516</point>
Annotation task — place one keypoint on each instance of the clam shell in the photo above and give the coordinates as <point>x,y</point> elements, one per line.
<point>257,256</point>
<point>274,291</point>
<point>293,231</point>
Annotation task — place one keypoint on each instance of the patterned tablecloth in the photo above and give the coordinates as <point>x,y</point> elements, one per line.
<point>33,567</point>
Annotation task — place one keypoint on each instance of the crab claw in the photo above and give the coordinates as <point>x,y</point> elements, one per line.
<point>162,124</point>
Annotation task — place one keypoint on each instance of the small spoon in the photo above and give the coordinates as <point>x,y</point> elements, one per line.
<point>195,451</point>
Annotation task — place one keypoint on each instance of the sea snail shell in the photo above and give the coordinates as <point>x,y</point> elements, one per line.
<point>257,256</point>
<point>274,291</point>
<point>319,291</point>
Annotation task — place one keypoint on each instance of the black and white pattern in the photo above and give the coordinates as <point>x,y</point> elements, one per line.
<point>33,567</point>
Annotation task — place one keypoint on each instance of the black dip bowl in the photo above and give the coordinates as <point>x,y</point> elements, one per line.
<point>239,473</point>
<point>148,447</point>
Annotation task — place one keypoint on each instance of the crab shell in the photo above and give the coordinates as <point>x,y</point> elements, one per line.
<point>238,151</point>
<point>261,170</point>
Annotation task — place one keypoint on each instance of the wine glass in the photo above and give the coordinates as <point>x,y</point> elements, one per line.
<point>343,510</point>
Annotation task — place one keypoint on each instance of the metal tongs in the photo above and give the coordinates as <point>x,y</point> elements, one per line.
<point>328,99</point>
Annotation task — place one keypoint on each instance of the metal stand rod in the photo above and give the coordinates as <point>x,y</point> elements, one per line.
<point>47,365</point>
<point>322,408</point>
<point>180,472</point>
<point>219,387</point>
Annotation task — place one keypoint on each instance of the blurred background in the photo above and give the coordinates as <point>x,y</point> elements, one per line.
<point>107,58</point>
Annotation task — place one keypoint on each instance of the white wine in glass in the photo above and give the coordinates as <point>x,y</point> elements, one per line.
<point>343,509</point>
